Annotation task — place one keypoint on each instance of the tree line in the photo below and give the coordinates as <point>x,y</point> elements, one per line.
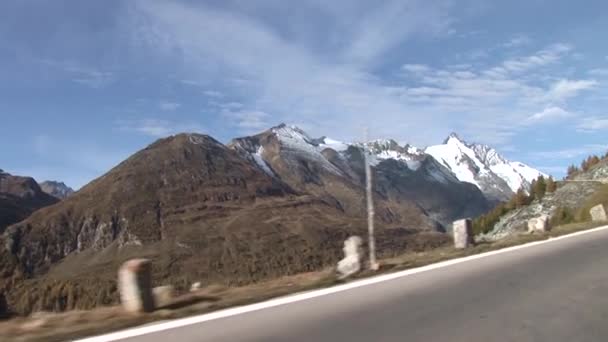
<point>585,165</point>
<point>538,189</point>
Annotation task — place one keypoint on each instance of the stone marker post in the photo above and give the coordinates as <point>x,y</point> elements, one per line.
<point>351,263</point>
<point>539,224</point>
<point>134,284</point>
<point>463,233</point>
<point>598,213</point>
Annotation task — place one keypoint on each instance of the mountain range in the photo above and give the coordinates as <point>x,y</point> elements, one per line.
<point>262,206</point>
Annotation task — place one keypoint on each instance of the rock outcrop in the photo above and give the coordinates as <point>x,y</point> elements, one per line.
<point>56,189</point>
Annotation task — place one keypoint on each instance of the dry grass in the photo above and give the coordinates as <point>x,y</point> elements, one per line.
<point>73,324</point>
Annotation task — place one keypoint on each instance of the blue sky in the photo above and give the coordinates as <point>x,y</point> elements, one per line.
<point>84,84</point>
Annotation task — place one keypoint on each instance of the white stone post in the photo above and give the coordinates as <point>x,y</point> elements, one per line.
<point>134,284</point>
<point>598,213</point>
<point>540,224</point>
<point>463,233</point>
<point>351,263</point>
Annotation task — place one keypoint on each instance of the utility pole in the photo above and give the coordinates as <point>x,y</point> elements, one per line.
<point>373,264</point>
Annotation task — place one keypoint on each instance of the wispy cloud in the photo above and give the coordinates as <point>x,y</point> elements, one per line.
<point>565,89</point>
<point>338,93</point>
<point>549,114</point>
<point>213,93</point>
<point>248,121</point>
<point>169,106</point>
<point>599,72</point>
<point>157,128</point>
<point>517,41</point>
<point>592,124</point>
<point>88,76</point>
<point>569,153</point>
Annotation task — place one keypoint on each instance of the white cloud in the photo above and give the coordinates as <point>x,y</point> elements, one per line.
<point>157,128</point>
<point>549,114</point>
<point>169,106</point>
<point>599,72</point>
<point>570,153</point>
<point>544,57</point>
<point>86,75</point>
<point>337,93</point>
<point>213,93</point>
<point>518,41</point>
<point>564,89</point>
<point>416,68</point>
<point>247,120</point>
<point>593,124</point>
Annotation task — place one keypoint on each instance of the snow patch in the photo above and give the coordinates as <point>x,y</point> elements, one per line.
<point>257,157</point>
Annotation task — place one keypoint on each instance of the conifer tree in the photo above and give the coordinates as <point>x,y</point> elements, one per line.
<point>541,187</point>
<point>551,185</point>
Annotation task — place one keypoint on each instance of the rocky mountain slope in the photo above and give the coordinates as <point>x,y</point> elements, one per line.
<point>573,196</point>
<point>19,198</point>
<point>56,189</point>
<point>481,165</point>
<point>201,212</point>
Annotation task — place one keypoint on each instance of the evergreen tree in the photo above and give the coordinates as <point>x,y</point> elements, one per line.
<point>521,199</point>
<point>551,185</point>
<point>541,188</point>
<point>572,170</point>
<point>532,189</point>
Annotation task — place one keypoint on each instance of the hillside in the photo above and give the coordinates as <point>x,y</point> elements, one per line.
<point>19,198</point>
<point>571,201</point>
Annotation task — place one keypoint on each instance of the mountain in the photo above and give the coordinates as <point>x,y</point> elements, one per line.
<point>481,165</point>
<point>19,198</point>
<point>406,179</point>
<point>56,189</point>
<point>200,210</point>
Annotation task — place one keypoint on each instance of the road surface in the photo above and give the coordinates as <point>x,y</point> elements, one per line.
<point>556,291</point>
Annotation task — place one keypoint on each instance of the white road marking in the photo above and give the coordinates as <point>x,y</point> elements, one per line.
<point>149,329</point>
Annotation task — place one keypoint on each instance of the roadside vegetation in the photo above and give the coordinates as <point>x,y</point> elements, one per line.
<point>539,188</point>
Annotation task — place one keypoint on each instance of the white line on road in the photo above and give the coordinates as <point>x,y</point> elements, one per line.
<point>144,330</point>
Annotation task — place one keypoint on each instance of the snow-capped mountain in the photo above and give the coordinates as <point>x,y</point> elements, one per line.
<point>483,166</point>
<point>331,168</point>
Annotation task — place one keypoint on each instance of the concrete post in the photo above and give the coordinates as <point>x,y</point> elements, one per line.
<point>351,263</point>
<point>598,213</point>
<point>539,224</point>
<point>463,233</point>
<point>134,284</point>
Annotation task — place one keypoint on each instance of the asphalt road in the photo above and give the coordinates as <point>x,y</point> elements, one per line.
<point>551,292</point>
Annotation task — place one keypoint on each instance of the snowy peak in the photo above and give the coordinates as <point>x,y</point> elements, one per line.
<point>488,155</point>
<point>483,166</point>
